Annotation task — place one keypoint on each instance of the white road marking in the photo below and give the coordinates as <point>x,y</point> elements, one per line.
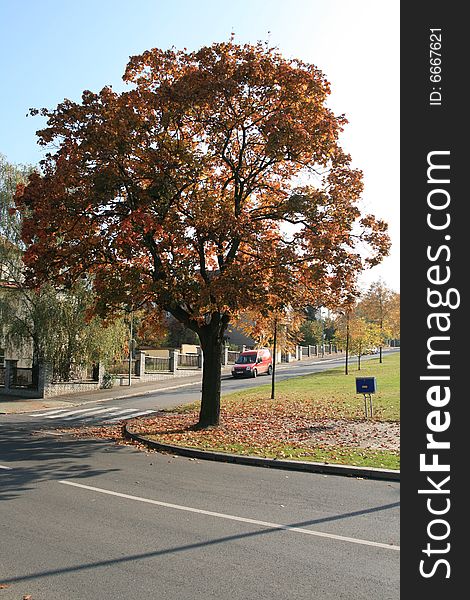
<point>114,413</point>
<point>4,467</point>
<point>71,412</point>
<point>234,518</point>
<point>97,411</point>
<point>125,410</point>
<point>49,412</point>
<point>131,416</point>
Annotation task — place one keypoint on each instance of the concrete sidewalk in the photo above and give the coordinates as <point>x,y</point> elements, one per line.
<point>9,404</point>
<point>17,405</point>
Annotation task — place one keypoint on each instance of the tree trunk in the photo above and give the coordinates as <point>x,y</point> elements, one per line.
<point>211,337</point>
<point>347,345</point>
<point>36,360</point>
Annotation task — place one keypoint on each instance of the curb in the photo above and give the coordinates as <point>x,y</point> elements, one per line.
<point>271,463</point>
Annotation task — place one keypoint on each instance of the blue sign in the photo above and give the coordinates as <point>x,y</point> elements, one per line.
<point>366,385</point>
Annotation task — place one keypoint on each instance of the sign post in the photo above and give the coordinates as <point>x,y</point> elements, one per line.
<point>366,386</point>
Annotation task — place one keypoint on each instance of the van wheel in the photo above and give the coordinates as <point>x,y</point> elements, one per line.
<point>270,370</point>
<point>254,373</point>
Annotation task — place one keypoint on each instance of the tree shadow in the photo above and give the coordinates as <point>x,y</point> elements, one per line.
<point>130,559</point>
<point>53,458</point>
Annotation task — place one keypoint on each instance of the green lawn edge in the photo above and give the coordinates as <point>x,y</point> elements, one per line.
<point>331,383</point>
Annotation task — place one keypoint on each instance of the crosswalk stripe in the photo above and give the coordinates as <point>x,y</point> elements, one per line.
<point>71,412</point>
<point>125,410</point>
<point>49,412</point>
<point>111,414</point>
<point>89,415</point>
<point>139,414</point>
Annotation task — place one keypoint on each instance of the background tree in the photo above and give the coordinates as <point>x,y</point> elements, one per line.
<point>178,334</point>
<point>344,312</point>
<point>55,328</point>
<point>11,244</point>
<point>313,329</point>
<point>179,190</point>
<point>393,316</point>
<point>10,220</point>
<point>363,336</point>
<point>42,323</point>
<point>380,305</point>
<point>276,326</point>
<point>260,326</point>
<point>73,341</point>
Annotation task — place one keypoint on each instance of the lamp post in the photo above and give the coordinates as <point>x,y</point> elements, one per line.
<point>322,332</point>
<point>274,358</point>
<point>131,340</point>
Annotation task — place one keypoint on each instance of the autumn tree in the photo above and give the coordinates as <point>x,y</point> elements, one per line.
<point>58,329</point>
<point>214,182</point>
<point>363,335</point>
<point>381,305</point>
<point>344,313</point>
<point>42,323</point>
<point>11,245</point>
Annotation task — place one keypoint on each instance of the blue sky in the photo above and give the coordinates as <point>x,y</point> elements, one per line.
<point>54,49</point>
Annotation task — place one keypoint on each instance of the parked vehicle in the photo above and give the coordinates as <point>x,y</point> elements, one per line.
<point>252,363</point>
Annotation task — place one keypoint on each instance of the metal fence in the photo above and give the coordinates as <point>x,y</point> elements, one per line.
<point>154,364</point>
<point>122,368</point>
<point>188,361</point>
<point>21,377</point>
<point>2,375</point>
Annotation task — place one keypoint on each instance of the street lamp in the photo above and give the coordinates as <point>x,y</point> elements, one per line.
<point>131,344</point>
<point>322,333</point>
<point>274,358</point>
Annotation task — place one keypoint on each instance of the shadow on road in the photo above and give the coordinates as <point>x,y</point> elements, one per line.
<point>51,458</point>
<point>188,547</point>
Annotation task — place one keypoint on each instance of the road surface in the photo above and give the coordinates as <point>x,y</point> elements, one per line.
<point>89,520</point>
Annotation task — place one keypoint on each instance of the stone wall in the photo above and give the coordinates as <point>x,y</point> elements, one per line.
<point>69,387</point>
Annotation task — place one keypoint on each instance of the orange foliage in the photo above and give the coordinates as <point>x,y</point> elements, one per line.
<point>181,190</point>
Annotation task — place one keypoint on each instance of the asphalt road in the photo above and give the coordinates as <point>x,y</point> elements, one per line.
<point>88,520</point>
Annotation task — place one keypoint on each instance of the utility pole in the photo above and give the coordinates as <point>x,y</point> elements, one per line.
<point>274,358</point>
<point>322,334</point>
<point>130,346</point>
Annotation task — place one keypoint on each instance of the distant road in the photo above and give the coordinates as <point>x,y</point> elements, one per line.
<point>178,393</point>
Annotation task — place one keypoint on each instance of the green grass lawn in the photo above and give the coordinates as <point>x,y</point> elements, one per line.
<point>333,394</point>
<point>291,426</point>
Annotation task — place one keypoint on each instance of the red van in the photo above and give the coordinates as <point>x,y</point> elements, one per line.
<point>252,363</point>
